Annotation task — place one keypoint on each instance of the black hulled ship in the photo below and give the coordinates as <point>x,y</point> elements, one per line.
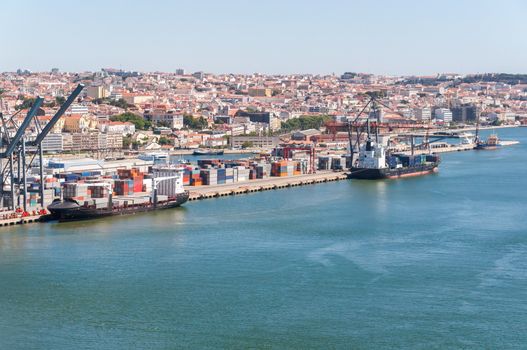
<point>70,209</point>
<point>375,162</point>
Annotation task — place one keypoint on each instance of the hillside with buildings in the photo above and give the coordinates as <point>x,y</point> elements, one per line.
<point>149,111</point>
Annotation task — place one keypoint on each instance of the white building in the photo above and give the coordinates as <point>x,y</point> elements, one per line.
<point>443,114</point>
<point>215,142</point>
<point>424,113</point>
<point>124,128</point>
<point>96,92</point>
<point>52,143</point>
<point>168,118</point>
<point>78,109</point>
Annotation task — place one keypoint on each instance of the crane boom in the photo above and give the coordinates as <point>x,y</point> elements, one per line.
<point>20,132</point>
<point>57,115</point>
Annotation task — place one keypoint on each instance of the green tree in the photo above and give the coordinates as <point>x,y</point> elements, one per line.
<point>127,141</point>
<point>305,122</point>
<point>164,141</point>
<point>121,103</point>
<point>497,122</point>
<point>26,103</point>
<point>59,100</point>
<point>195,123</point>
<point>247,144</point>
<point>139,122</point>
<point>376,94</point>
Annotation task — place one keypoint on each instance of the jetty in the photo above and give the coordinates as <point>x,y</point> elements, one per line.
<point>258,185</point>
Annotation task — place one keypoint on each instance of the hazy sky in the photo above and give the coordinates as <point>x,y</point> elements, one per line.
<point>285,36</point>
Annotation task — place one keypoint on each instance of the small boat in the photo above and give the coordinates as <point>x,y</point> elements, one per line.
<point>204,152</point>
<point>492,142</point>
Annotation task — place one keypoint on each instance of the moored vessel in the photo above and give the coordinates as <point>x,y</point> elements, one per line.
<point>374,164</point>
<point>492,142</point>
<point>205,152</point>
<point>167,192</point>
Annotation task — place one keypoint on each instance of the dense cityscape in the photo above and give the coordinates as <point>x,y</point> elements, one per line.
<point>151,111</point>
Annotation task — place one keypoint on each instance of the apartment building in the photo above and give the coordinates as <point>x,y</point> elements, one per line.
<point>78,109</point>
<point>423,114</point>
<point>52,143</point>
<point>169,118</point>
<point>465,114</point>
<point>91,141</point>
<point>256,141</point>
<point>443,114</point>
<point>96,92</point>
<point>260,92</point>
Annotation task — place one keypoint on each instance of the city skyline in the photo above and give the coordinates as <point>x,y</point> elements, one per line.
<point>408,38</point>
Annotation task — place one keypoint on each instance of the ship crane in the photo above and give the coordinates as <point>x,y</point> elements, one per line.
<point>45,131</point>
<point>359,127</point>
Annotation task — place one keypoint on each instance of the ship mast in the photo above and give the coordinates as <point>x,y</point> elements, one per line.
<point>476,139</point>
<point>350,125</point>
<point>376,114</point>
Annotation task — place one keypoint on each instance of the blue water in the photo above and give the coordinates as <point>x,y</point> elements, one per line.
<point>434,262</point>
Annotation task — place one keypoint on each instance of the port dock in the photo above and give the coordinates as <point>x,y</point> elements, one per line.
<point>446,148</point>
<point>11,218</point>
<point>258,185</point>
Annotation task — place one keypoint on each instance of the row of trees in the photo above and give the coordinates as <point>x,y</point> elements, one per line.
<point>27,102</point>
<point>121,103</point>
<point>138,120</point>
<point>305,122</point>
<point>143,124</point>
<point>128,141</point>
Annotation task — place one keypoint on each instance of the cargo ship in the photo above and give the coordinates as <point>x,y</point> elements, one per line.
<point>375,163</point>
<point>204,152</point>
<point>71,209</point>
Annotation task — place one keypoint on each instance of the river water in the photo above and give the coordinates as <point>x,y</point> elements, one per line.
<point>431,262</point>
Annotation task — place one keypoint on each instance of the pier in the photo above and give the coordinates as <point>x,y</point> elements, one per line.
<point>445,147</point>
<point>273,183</point>
<point>18,219</point>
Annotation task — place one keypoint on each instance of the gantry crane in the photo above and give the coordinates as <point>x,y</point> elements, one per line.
<point>18,145</point>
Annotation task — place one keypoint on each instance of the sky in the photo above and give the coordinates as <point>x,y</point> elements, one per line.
<point>404,37</point>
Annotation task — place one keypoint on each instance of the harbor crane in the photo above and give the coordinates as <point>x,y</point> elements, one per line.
<point>18,145</point>
<point>376,125</point>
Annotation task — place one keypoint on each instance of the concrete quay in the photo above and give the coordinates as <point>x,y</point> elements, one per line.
<point>458,148</point>
<point>258,185</point>
<point>20,220</point>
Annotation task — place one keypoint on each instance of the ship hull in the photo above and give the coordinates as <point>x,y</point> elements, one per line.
<point>208,153</point>
<point>397,173</point>
<point>72,212</point>
<point>487,147</point>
